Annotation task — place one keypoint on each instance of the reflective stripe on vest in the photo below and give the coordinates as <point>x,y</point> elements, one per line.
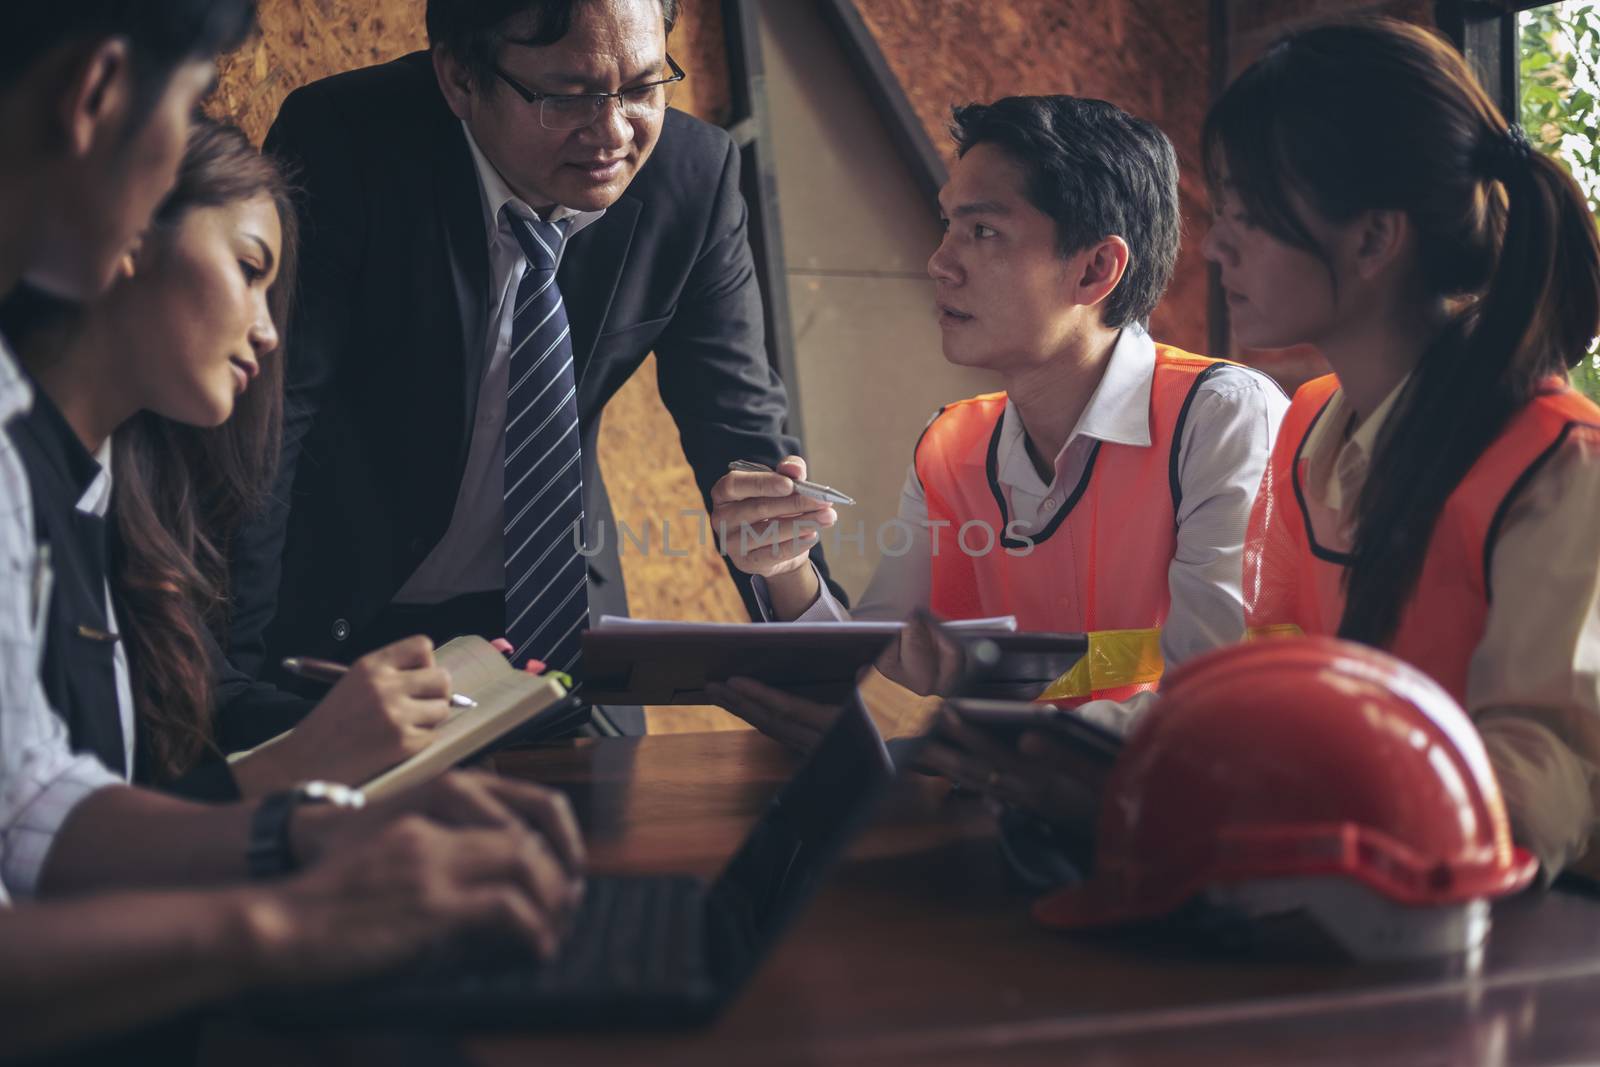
<point>1115,659</point>
<point>1098,566</point>
<point>1292,583</point>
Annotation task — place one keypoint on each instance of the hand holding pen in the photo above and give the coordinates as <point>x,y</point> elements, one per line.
<point>814,490</point>
<point>322,670</point>
<point>767,520</point>
<point>386,706</point>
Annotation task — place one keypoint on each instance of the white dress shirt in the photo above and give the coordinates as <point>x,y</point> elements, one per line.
<point>96,500</point>
<point>1227,440</point>
<point>41,779</point>
<point>1533,683</point>
<point>470,558</point>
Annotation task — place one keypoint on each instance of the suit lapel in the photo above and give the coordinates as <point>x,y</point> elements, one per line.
<point>590,270</point>
<point>465,263</point>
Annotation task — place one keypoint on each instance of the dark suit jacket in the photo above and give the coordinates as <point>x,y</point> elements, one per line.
<point>388,347</point>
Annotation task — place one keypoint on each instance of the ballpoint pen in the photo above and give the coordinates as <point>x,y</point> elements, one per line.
<point>321,670</point>
<point>814,490</point>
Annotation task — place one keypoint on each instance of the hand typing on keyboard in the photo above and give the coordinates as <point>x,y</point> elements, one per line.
<point>468,856</point>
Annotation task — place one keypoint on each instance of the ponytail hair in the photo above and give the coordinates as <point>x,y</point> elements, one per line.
<point>1382,115</point>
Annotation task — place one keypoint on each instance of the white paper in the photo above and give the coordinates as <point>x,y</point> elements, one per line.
<point>1007,623</point>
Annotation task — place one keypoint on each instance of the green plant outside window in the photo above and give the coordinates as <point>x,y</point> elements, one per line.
<point>1559,65</point>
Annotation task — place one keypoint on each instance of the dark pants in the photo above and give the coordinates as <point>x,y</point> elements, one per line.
<point>482,614</point>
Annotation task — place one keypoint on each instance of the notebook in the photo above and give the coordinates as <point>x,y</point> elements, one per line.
<point>507,698</point>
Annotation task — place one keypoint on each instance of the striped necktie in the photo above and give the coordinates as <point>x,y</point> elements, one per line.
<point>547,596</point>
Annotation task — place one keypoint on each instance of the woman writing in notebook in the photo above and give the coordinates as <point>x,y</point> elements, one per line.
<point>154,432</point>
<point>1436,495</point>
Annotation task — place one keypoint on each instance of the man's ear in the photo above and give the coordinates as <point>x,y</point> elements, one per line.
<point>1098,270</point>
<point>454,82</point>
<point>98,96</point>
<point>1377,239</point>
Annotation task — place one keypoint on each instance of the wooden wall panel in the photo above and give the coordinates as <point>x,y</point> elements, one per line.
<point>1147,56</point>
<point>303,40</point>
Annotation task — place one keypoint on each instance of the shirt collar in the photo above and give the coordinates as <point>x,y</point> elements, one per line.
<point>16,394</point>
<point>1118,411</point>
<point>496,194</point>
<point>1336,465</point>
<point>96,499</point>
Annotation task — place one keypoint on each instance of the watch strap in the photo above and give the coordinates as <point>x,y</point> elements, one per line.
<point>269,854</point>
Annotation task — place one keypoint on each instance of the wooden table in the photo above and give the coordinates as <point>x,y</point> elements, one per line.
<point>918,951</point>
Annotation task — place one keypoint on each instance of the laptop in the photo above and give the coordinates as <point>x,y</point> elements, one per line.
<point>668,950</point>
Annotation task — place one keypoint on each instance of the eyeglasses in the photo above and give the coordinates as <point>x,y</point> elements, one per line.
<point>574,111</point>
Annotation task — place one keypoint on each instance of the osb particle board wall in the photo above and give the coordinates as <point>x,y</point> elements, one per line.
<point>303,40</point>
<point>1147,56</point>
<point>1254,24</point>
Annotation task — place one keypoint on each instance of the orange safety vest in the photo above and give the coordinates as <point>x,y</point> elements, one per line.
<point>1292,584</point>
<point>1100,564</point>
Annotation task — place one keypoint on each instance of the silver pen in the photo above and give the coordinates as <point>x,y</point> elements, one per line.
<point>321,670</point>
<point>814,490</point>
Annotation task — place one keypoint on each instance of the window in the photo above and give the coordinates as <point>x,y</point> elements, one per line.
<point>1558,83</point>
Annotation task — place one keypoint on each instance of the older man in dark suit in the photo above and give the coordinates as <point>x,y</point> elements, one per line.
<point>496,234</point>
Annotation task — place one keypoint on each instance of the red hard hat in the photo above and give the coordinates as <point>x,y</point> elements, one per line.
<point>1305,761</point>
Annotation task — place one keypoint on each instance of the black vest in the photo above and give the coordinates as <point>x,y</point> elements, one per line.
<point>79,640</point>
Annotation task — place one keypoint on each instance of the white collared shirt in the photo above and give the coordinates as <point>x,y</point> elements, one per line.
<point>470,558</point>
<point>1227,440</point>
<point>96,500</point>
<point>41,779</point>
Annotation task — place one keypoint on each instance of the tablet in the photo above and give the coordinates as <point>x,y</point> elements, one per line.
<point>1008,719</point>
<point>821,662</point>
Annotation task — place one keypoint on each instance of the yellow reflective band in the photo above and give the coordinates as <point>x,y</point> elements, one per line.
<point>1277,629</point>
<point>1115,658</point>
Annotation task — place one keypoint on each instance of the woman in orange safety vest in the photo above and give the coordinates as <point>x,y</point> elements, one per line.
<point>1436,495</point>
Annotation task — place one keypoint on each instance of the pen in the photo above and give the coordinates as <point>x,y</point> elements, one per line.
<point>814,490</point>
<point>321,670</point>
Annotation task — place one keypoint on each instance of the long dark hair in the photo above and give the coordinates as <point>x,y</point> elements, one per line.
<point>180,492</point>
<point>1381,115</point>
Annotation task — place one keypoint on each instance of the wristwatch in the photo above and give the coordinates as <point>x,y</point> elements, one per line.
<point>270,854</point>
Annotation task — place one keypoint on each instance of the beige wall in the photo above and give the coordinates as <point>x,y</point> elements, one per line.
<point>857,234</point>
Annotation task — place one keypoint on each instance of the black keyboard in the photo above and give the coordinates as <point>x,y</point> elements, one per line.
<point>630,935</point>
<point>636,949</point>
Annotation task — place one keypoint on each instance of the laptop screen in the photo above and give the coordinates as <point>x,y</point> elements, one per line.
<point>823,807</point>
